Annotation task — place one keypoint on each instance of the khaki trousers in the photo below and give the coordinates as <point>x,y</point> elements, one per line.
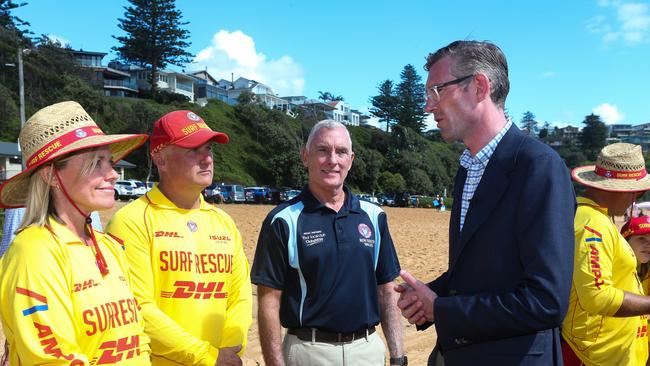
<point>364,351</point>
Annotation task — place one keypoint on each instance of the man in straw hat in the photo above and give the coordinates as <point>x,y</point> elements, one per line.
<point>65,288</point>
<point>607,323</point>
<point>191,273</point>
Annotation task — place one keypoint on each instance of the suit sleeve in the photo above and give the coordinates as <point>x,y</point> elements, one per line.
<point>37,307</point>
<point>239,308</point>
<point>543,231</point>
<point>168,339</point>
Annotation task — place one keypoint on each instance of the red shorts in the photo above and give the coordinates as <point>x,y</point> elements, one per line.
<point>568,356</point>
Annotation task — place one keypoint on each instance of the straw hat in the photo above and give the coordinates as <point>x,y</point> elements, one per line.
<point>619,168</point>
<point>55,131</point>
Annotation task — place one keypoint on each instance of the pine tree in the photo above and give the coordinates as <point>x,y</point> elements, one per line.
<point>154,36</point>
<point>593,136</point>
<point>529,124</point>
<point>384,105</point>
<point>410,92</point>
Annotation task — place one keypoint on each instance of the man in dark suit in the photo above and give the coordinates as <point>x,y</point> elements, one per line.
<point>506,290</point>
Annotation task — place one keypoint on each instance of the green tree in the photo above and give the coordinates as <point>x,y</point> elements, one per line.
<point>329,97</point>
<point>410,91</point>
<point>385,104</point>
<point>545,131</point>
<point>154,36</point>
<point>391,183</point>
<point>593,136</point>
<point>529,124</point>
<point>11,22</point>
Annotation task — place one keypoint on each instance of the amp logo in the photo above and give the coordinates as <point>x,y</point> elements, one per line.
<point>196,290</point>
<point>116,351</point>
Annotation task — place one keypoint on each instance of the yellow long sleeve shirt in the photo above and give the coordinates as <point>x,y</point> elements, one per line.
<point>57,308</point>
<point>604,268</point>
<point>191,278</point>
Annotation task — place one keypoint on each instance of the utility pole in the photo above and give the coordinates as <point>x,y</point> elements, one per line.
<point>21,83</point>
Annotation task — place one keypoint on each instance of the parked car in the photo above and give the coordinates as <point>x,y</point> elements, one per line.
<point>386,199</point>
<point>123,190</point>
<point>369,198</point>
<point>289,194</point>
<point>257,194</point>
<point>232,193</point>
<point>212,193</point>
<point>149,185</point>
<point>139,188</point>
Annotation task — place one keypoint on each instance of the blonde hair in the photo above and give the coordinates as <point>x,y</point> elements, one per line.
<point>36,211</point>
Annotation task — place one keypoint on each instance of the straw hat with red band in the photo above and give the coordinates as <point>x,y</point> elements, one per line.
<point>53,132</point>
<point>636,226</point>
<point>619,168</point>
<point>184,129</point>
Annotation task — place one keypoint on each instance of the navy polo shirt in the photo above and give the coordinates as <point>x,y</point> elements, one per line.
<point>327,264</point>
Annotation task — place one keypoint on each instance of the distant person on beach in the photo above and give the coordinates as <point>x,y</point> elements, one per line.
<point>190,271</point>
<point>324,268</point>
<point>607,319</point>
<point>505,292</point>
<point>66,289</point>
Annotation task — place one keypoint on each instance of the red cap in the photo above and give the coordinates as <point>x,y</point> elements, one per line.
<point>184,129</point>
<point>636,226</point>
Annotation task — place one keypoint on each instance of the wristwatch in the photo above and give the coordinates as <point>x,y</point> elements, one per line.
<point>399,361</point>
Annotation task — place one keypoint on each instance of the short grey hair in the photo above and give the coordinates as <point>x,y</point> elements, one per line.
<point>329,124</point>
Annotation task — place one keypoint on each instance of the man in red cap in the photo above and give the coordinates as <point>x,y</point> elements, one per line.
<point>190,272</point>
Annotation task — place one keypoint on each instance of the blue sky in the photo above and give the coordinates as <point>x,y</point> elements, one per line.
<point>567,59</point>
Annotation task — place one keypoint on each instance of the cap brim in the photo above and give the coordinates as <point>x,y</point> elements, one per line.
<point>201,137</point>
<point>13,192</point>
<point>587,176</point>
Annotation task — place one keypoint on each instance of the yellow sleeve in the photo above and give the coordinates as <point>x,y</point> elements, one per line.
<point>37,309</point>
<point>168,339</point>
<point>592,273</point>
<point>240,303</point>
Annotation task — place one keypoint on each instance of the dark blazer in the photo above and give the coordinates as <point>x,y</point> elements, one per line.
<point>506,291</point>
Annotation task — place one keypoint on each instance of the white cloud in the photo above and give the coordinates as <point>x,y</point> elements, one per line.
<point>235,52</point>
<point>55,38</point>
<point>632,23</point>
<point>608,113</point>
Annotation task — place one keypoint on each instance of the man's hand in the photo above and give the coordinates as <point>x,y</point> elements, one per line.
<point>228,356</point>
<point>415,300</point>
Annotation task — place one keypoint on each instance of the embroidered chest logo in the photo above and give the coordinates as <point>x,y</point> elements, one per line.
<point>221,239</point>
<point>313,237</point>
<point>192,226</point>
<point>366,235</point>
<point>168,234</point>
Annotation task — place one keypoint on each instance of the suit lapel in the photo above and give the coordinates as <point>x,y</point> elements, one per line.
<point>494,183</point>
<point>454,223</point>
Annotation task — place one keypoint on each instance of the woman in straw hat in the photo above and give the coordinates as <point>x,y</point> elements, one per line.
<point>606,322</point>
<point>65,289</point>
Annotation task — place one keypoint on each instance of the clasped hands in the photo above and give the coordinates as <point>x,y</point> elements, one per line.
<point>415,300</point>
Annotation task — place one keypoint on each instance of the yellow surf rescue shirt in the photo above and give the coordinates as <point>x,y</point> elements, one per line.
<point>57,308</point>
<point>604,267</point>
<point>190,275</point>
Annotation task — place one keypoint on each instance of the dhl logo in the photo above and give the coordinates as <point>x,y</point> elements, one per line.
<point>168,234</point>
<point>197,290</point>
<point>115,351</point>
<point>85,285</point>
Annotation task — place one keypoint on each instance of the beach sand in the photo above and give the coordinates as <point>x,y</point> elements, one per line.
<point>420,237</point>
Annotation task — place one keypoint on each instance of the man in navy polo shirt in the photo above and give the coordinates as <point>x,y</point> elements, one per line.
<point>324,268</point>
